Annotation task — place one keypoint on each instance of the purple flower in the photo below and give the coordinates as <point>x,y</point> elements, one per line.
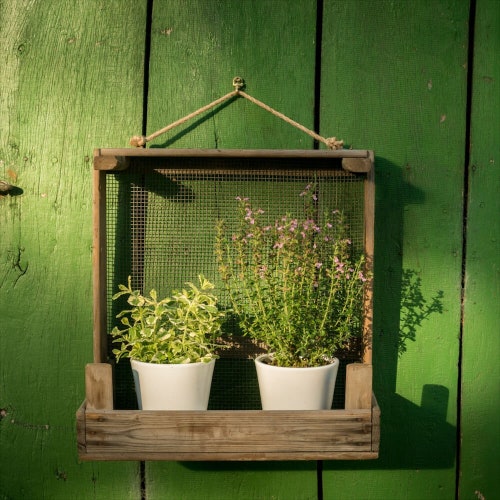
<point>318,265</point>
<point>306,189</point>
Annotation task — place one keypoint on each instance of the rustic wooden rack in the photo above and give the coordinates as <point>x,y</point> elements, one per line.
<point>106,433</point>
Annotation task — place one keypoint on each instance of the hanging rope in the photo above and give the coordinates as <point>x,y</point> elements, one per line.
<point>331,142</point>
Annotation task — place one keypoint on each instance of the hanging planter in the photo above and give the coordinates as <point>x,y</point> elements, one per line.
<point>150,208</point>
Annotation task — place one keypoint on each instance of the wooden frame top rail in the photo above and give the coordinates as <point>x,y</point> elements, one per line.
<point>353,160</point>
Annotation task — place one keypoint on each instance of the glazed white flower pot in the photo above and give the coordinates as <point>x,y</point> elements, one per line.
<point>172,386</point>
<point>283,388</point>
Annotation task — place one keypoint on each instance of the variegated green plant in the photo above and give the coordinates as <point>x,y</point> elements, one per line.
<point>181,328</point>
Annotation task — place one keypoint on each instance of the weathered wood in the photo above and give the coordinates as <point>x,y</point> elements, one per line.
<point>357,165</point>
<point>71,79</point>
<point>110,162</point>
<point>358,393</point>
<point>375,425</point>
<point>99,386</point>
<point>81,433</point>
<point>369,250</point>
<point>119,158</point>
<point>480,389</point>
<point>400,88</point>
<point>223,435</point>
<point>99,267</point>
<point>198,161</point>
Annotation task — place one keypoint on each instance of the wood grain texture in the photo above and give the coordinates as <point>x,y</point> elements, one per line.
<point>228,435</point>
<point>99,386</point>
<point>394,80</point>
<point>480,430</point>
<point>358,392</point>
<point>195,53</point>
<point>72,79</point>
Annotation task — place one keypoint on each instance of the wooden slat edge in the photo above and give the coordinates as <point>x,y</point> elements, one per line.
<point>375,425</point>
<point>218,457</point>
<point>81,433</point>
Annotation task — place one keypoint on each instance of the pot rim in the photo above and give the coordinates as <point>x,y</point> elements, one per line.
<point>197,363</point>
<point>260,359</point>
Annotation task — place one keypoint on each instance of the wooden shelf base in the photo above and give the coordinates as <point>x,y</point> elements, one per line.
<point>228,435</point>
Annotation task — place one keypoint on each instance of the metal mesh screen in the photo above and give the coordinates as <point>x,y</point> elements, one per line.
<point>161,231</point>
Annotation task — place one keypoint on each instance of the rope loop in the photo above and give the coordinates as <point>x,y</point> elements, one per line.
<point>238,84</point>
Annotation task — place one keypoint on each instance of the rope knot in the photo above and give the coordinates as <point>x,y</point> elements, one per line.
<point>332,143</point>
<point>138,141</point>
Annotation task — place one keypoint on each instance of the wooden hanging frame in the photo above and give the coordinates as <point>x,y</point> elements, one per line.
<point>106,433</point>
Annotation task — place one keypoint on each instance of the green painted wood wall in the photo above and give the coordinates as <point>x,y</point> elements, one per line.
<point>418,82</point>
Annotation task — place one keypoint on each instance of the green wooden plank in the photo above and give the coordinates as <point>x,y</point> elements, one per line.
<point>480,429</point>
<point>394,80</point>
<point>196,52</point>
<point>71,81</point>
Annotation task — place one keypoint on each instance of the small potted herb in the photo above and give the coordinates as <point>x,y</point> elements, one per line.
<point>171,343</point>
<point>297,288</point>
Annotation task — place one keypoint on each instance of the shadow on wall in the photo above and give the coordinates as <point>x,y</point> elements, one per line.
<point>412,436</point>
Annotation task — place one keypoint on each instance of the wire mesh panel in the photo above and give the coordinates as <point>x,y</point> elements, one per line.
<point>161,216</point>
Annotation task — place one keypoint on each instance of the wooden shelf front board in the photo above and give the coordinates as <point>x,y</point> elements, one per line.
<point>228,435</point>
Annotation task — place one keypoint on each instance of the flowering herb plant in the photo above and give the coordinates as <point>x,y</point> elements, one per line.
<point>293,282</point>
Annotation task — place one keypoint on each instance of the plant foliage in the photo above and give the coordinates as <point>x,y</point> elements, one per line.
<point>293,282</point>
<point>182,328</point>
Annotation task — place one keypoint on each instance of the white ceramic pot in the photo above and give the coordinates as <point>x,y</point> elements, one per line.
<point>283,388</point>
<point>172,386</point>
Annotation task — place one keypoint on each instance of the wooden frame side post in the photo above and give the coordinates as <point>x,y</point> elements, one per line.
<point>358,386</point>
<point>369,252</point>
<point>99,266</point>
<point>99,386</point>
